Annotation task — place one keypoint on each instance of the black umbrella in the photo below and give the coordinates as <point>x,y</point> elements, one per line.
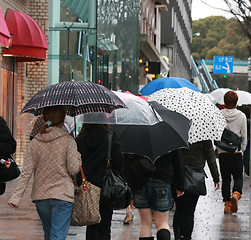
<point>179,122</point>
<point>153,141</point>
<point>80,97</point>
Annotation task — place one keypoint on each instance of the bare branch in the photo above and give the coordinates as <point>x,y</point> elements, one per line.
<point>214,6</point>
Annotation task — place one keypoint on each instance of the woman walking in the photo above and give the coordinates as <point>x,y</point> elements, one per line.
<point>231,164</point>
<point>197,155</point>
<point>92,143</point>
<point>154,198</point>
<point>52,158</point>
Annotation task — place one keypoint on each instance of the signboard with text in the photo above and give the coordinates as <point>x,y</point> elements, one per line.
<point>223,64</point>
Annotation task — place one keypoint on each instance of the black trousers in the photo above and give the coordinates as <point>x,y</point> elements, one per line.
<point>102,230</point>
<point>231,164</point>
<point>246,159</point>
<point>183,220</point>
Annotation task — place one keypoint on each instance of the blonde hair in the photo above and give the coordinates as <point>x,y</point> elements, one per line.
<point>53,116</point>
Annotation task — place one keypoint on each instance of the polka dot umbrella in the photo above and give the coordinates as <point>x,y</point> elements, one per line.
<point>207,120</point>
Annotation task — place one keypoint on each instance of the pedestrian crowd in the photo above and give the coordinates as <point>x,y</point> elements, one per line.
<point>54,157</point>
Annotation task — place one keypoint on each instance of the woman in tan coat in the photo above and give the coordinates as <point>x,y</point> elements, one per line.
<point>52,157</point>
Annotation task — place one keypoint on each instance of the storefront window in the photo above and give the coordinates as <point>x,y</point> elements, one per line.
<point>71,55</point>
<point>8,101</point>
<point>108,55</point>
<point>118,32</point>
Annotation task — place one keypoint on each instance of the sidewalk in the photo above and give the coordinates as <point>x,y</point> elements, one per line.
<point>210,221</point>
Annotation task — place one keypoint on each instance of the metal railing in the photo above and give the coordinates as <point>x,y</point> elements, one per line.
<point>196,73</point>
<point>211,81</point>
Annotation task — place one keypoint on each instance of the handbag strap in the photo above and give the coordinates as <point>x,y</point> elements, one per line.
<point>83,178</point>
<point>109,150</point>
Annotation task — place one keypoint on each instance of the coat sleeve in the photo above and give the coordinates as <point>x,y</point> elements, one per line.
<point>178,169</point>
<point>211,160</point>
<point>73,157</point>
<point>244,133</point>
<point>27,171</point>
<point>116,154</point>
<point>8,145</point>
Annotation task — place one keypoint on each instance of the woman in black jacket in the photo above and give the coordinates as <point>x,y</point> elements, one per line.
<point>92,143</point>
<point>7,145</point>
<point>197,155</point>
<point>154,198</point>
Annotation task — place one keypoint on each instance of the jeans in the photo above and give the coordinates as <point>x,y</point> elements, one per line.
<point>55,216</point>
<point>231,164</point>
<point>102,230</point>
<point>183,219</point>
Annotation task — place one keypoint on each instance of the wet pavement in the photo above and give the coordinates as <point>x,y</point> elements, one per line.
<point>210,221</point>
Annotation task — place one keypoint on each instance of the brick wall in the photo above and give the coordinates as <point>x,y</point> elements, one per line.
<point>31,76</point>
<point>38,71</point>
<point>20,5</point>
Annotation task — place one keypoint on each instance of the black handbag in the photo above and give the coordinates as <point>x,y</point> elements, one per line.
<point>8,168</point>
<point>194,180</point>
<point>230,141</point>
<point>136,170</point>
<point>115,194</point>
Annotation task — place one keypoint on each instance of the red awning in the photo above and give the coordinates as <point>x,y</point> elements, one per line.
<point>4,32</point>
<point>28,42</point>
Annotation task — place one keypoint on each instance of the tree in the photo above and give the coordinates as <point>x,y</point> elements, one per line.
<point>215,51</point>
<point>219,33</point>
<point>241,10</point>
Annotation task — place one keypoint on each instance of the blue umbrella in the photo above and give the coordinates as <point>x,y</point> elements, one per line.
<point>166,82</point>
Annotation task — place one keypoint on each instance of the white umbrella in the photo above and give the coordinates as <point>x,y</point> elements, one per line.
<point>207,120</point>
<point>244,98</point>
<point>210,97</point>
<point>218,94</point>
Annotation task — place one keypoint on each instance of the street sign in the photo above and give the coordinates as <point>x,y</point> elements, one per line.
<point>223,64</point>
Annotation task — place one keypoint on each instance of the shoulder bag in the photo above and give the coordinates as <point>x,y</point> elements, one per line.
<point>230,141</point>
<point>115,194</point>
<point>85,210</point>
<point>8,168</point>
<point>194,180</point>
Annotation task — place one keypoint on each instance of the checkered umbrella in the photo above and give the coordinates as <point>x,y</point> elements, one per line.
<point>80,97</point>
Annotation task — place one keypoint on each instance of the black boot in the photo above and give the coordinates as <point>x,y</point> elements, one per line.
<point>146,238</point>
<point>163,234</point>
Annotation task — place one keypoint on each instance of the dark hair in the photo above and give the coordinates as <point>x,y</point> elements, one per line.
<point>230,99</point>
<point>53,116</point>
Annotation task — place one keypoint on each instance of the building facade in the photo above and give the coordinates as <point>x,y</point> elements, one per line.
<point>176,37</point>
<point>20,80</point>
<point>87,40</point>
<point>93,40</point>
<point>151,12</point>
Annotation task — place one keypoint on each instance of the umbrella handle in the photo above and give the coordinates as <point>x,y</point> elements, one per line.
<point>75,127</point>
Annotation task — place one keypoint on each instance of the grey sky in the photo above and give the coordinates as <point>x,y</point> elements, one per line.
<point>200,10</point>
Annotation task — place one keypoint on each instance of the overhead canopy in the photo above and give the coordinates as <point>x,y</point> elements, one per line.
<point>80,7</point>
<point>106,45</point>
<point>4,32</point>
<point>29,42</point>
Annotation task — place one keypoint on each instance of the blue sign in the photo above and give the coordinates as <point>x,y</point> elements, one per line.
<point>223,64</point>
